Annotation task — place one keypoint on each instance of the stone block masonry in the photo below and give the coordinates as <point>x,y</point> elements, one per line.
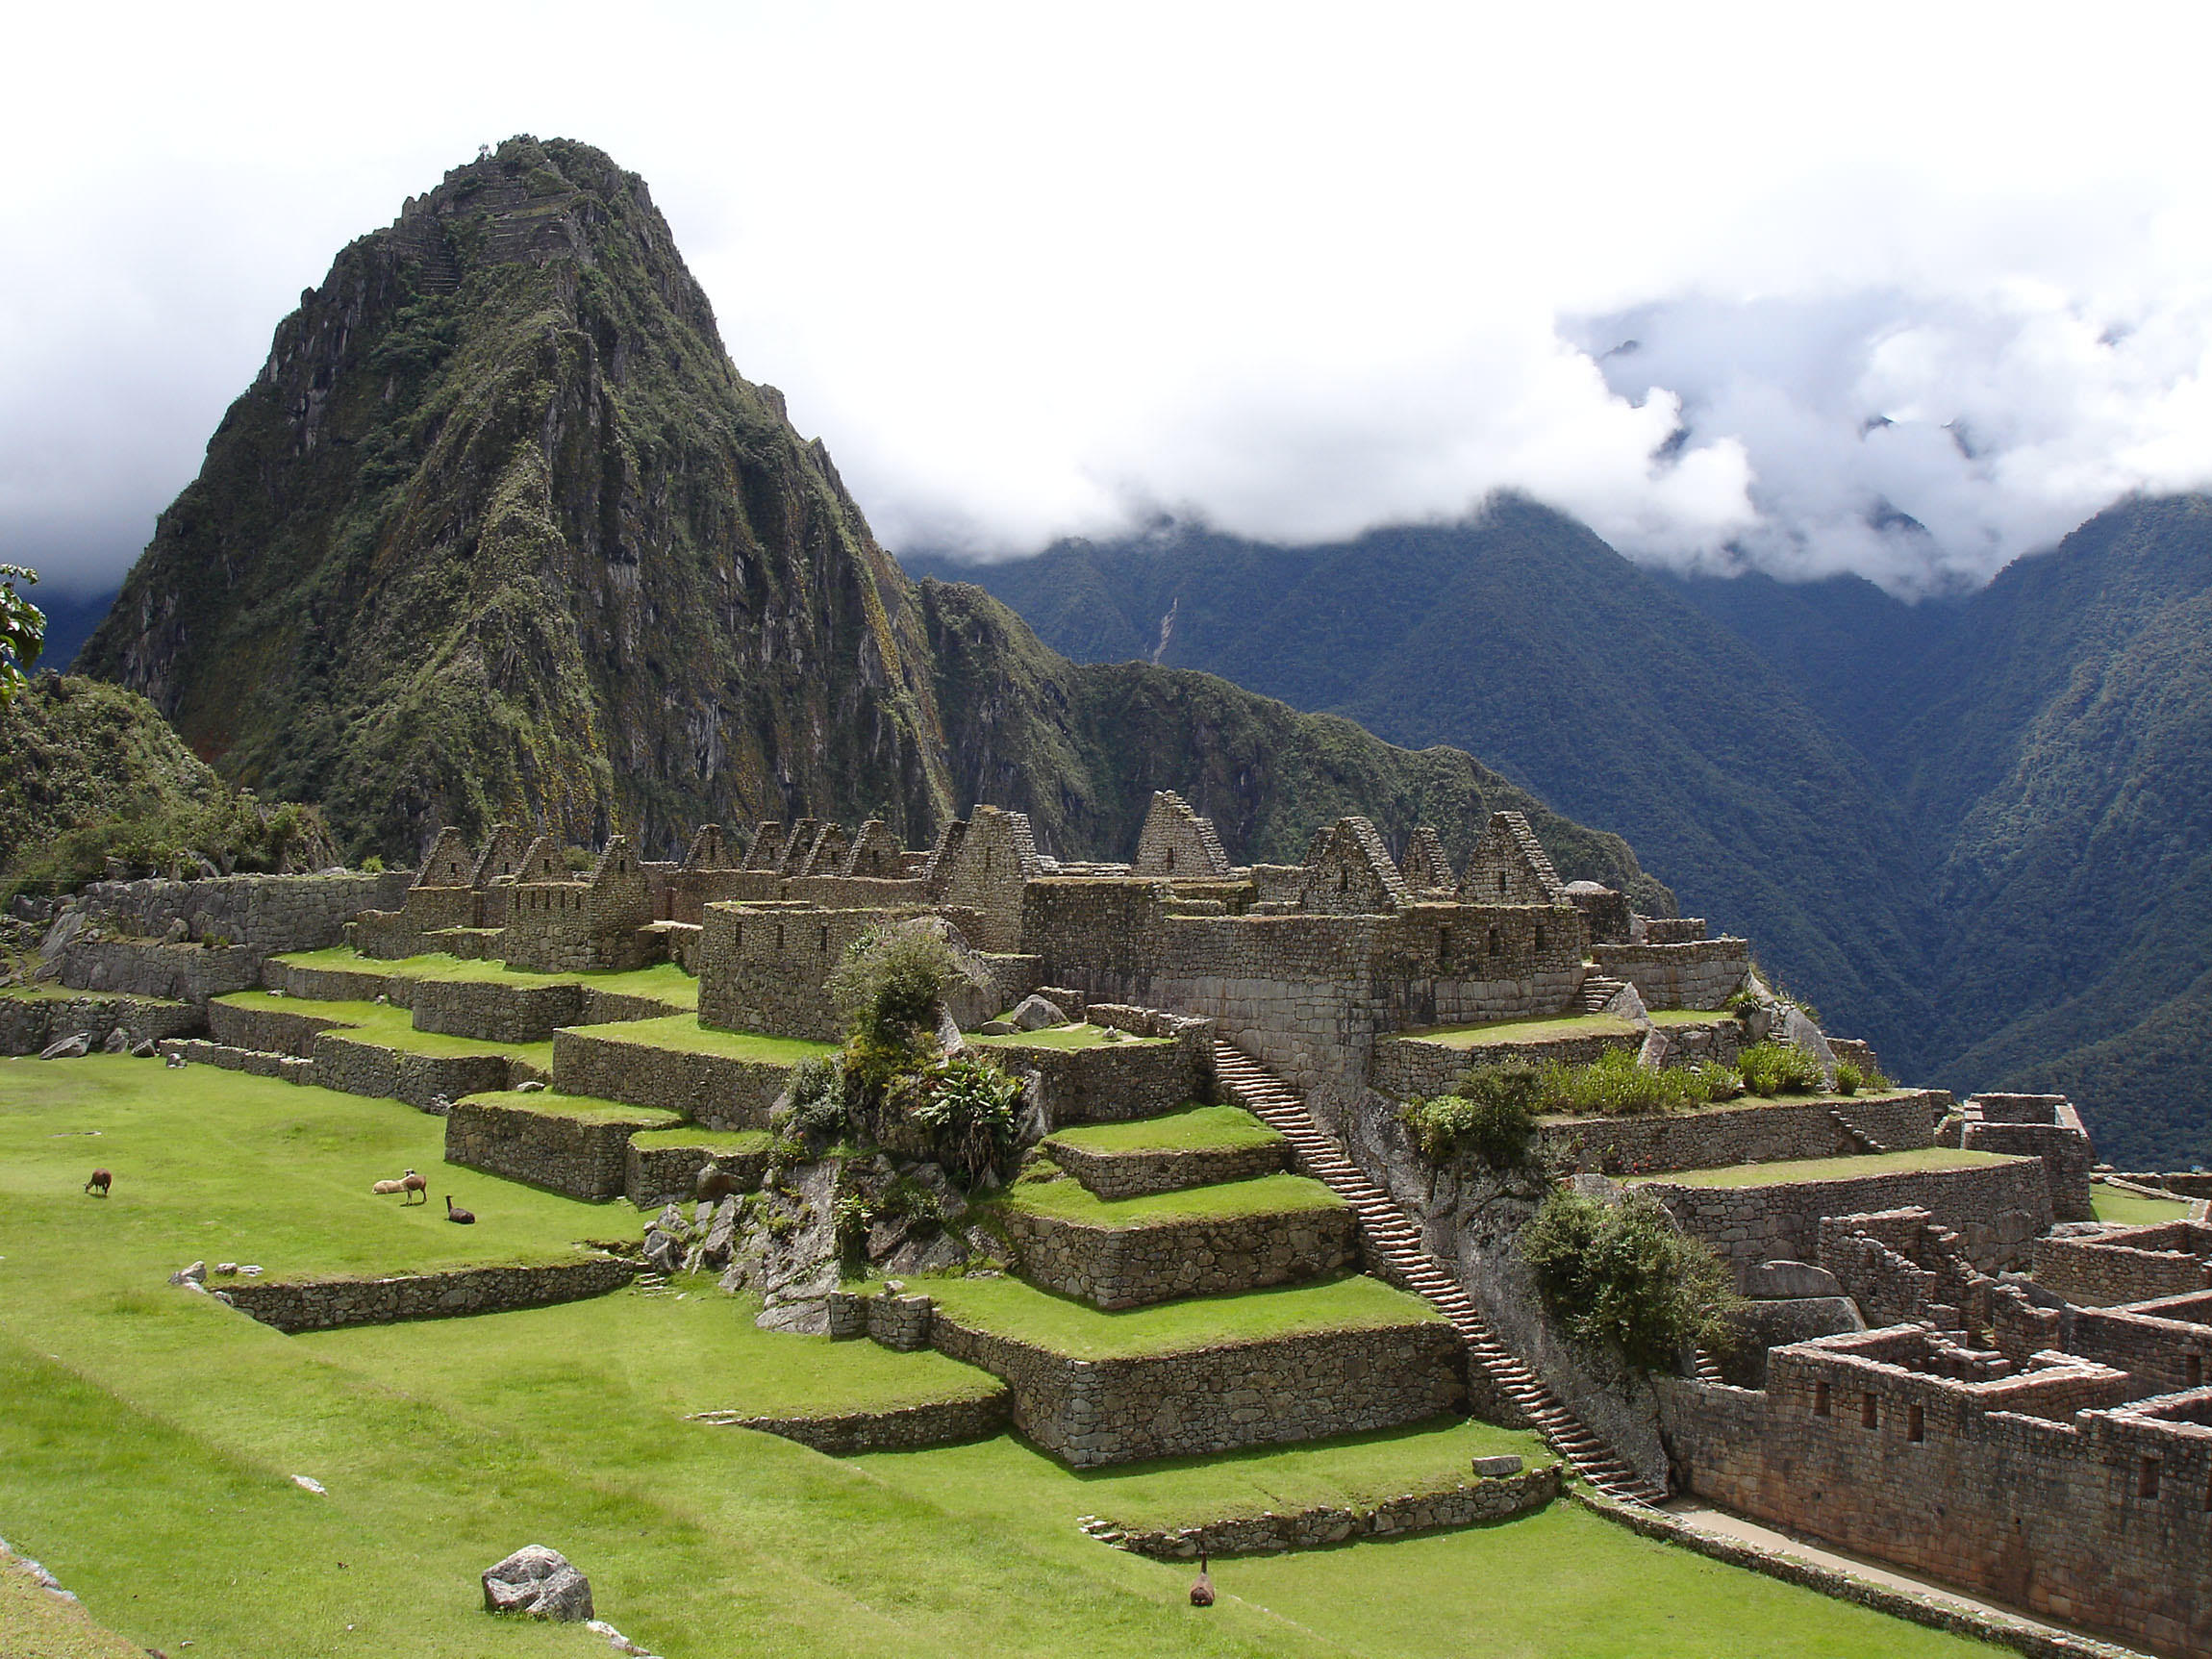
<point>29,1023</point>
<point>1108,1082</point>
<point>352,1066</point>
<point>1715,1137</point>
<point>269,1030</point>
<point>496,1011</point>
<point>253,1062</point>
<point>1412,1068</point>
<point>173,973</point>
<point>336,1304</point>
<point>1698,974</point>
<point>765,968</point>
<point>1186,1256</point>
<point>2127,1263</point>
<point>1166,1170</point>
<point>264,912</point>
<point>529,1138</point>
<point>657,1175</point>
<point>712,1089</point>
<point>1997,1209</point>
<point>902,1428</point>
<point>1089,1413</point>
<point>1462,1503</point>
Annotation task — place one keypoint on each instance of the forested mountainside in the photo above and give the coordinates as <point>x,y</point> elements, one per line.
<point>1525,638</point>
<point>1974,829</point>
<point>499,531</point>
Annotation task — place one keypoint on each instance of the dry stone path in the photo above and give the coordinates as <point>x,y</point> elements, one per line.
<point>1396,1242</point>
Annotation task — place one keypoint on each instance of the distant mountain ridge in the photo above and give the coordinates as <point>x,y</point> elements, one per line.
<point>1972,830</point>
<point>499,531</point>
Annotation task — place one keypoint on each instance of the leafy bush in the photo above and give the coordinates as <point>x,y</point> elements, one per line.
<point>817,1103</point>
<point>1852,1077</point>
<point>971,1114</point>
<point>1773,1068</point>
<point>1492,1114</point>
<point>887,985</point>
<point>1615,1086</point>
<point>1625,1276</point>
<point>23,630</point>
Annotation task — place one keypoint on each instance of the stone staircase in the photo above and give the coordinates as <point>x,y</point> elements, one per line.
<point>1396,1245</point>
<point>1860,1137</point>
<point>1598,991</point>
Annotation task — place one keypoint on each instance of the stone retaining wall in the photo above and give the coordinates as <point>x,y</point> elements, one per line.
<point>1111,1082</point>
<point>29,1023</point>
<point>266,913</point>
<point>1714,1136</point>
<point>336,1304</point>
<point>1997,1209</point>
<point>657,1175</point>
<point>710,1090</point>
<point>271,1030</point>
<point>1188,1256</point>
<point>145,968</point>
<point>338,984</point>
<point>1168,1169</point>
<point>1092,1412</point>
<point>528,1138</point>
<point>1463,1503</point>
<point>352,1066</point>
<point>2127,1265</point>
<point>254,1062</point>
<point>1411,1069</point>
<point>496,1011</point>
<point>1698,974</point>
<point>903,1428</point>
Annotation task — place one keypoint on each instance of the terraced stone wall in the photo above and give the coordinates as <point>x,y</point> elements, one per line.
<point>355,1068</point>
<point>528,1138</point>
<point>1170,1169</point>
<point>336,1304</point>
<point>1694,973</point>
<point>764,970</point>
<point>2164,1346</point>
<point>271,1030</point>
<point>1409,1069</point>
<point>266,913</point>
<point>2129,1265</point>
<point>1997,1209</point>
<point>1463,1503</point>
<point>657,1175</point>
<point>2093,1517</point>
<point>170,972</point>
<point>28,1025</point>
<point>338,984</point>
<point>711,1089</point>
<point>1189,1256</point>
<point>495,1010</point>
<point>902,1428</point>
<point>1717,1136</point>
<point>1087,1413</point>
<point>1110,1082</point>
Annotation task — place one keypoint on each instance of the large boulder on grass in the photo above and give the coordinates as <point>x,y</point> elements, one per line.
<point>541,1582</point>
<point>1033,1014</point>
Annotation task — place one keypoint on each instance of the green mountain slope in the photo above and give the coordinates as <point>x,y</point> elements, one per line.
<point>1523,637</point>
<point>499,531</point>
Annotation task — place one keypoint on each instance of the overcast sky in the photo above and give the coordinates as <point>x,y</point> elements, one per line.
<point>1733,284</point>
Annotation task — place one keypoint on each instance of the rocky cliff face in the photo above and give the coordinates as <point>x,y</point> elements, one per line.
<point>499,531</point>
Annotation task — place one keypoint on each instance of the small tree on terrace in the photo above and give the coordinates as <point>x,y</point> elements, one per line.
<point>23,630</point>
<point>1624,1275</point>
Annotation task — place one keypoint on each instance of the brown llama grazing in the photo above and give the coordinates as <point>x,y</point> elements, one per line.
<point>99,1181</point>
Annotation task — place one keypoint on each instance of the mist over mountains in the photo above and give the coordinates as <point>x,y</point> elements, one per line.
<point>1973,831</point>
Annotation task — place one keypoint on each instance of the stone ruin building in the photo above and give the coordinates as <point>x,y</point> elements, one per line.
<point>1946,1364</point>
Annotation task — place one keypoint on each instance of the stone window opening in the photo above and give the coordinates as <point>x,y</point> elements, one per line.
<point>1502,884</point>
<point>1539,936</point>
<point>1821,1399</point>
<point>823,943</point>
<point>1869,1411</point>
<point>1343,881</point>
<point>1170,861</point>
<point>1496,945</point>
<point>2148,1485</point>
<point>779,936</point>
<point>1915,1425</point>
<point>2193,1367</point>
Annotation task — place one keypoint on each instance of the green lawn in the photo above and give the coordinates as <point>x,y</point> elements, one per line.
<point>2132,1208</point>
<point>53,991</point>
<point>1177,1491</point>
<point>684,1032</point>
<point>719,1139</point>
<point>581,1109</point>
<point>664,981</point>
<point>1524,1030</point>
<point>149,1438</point>
<point>1011,1308</point>
<point>215,1166</point>
<point>1200,1128</point>
<point>1067,1037</point>
<point>1069,1200</point>
<point>385,1026</point>
<point>36,1624</point>
<point>1830,1169</point>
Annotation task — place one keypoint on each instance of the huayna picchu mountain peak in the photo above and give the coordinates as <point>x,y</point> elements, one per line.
<point>500,530</point>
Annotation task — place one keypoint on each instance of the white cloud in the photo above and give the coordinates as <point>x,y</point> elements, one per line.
<point>1033,271</point>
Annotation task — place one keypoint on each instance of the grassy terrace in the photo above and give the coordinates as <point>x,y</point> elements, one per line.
<point>684,1033</point>
<point>1198,1129</point>
<point>217,1166</point>
<point>664,981</point>
<point>578,1109</point>
<point>387,1027</point>
<point>1010,1308</point>
<point>1069,1200</point>
<point>1068,1037</point>
<point>149,1427</point>
<point>1831,1169</point>
<point>738,1140</point>
<point>57,992</point>
<point>2132,1208</point>
<point>1554,1029</point>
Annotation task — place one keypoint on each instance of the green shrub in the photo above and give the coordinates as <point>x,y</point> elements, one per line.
<point>1615,1086</point>
<point>969,1111</point>
<point>372,865</point>
<point>1625,1276</point>
<point>1773,1068</point>
<point>817,1103</point>
<point>1491,1114</point>
<point>887,985</point>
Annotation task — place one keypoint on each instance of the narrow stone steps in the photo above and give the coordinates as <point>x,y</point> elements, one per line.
<point>1397,1245</point>
<point>1598,991</point>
